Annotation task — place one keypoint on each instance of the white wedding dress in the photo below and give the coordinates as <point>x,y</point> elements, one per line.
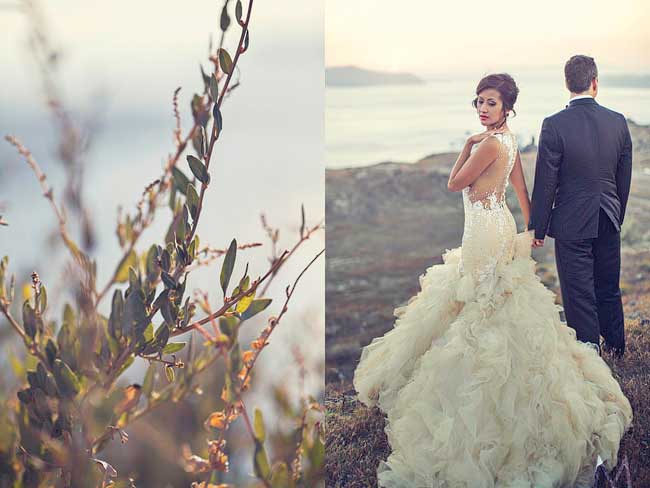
<point>482,384</point>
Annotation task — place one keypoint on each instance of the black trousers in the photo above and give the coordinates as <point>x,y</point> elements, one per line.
<point>589,272</point>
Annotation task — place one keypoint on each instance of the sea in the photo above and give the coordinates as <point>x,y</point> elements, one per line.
<point>404,123</point>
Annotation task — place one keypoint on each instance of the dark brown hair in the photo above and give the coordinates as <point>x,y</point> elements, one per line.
<point>504,84</point>
<point>579,71</point>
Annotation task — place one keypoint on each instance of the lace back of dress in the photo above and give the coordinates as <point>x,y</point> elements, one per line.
<point>489,230</point>
<point>489,189</point>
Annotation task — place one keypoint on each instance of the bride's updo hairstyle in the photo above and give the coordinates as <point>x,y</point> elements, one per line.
<point>505,85</point>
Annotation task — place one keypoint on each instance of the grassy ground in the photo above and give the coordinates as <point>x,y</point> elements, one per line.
<point>355,440</point>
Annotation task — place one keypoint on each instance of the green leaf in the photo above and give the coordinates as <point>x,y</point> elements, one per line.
<point>51,352</point>
<point>173,347</point>
<point>198,169</point>
<point>229,327</point>
<point>245,44</point>
<point>169,280</point>
<point>134,319</point>
<point>147,384</point>
<point>172,197</point>
<point>41,374</point>
<point>258,425</point>
<point>218,119</point>
<point>191,251</point>
<point>235,362</point>
<point>66,381</point>
<point>169,313</point>
<point>255,307</point>
<point>43,299</point>
<point>214,89</point>
<point>162,336</point>
<point>152,268</point>
<point>169,372</point>
<point>67,340</point>
<point>180,180</point>
<point>148,332</point>
<point>225,61</point>
<point>238,10</point>
<point>29,319</point>
<point>181,224</point>
<point>225,19</point>
<point>206,78</point>
<point>165,260</point>
<point>130,260</point>
<point>244,302</point>
<point>244,282</point>
<point>198,141</point>
<point>192,200</point>
<point>261,462</point>
<point>115,319</point>
<point>134,277</point>
<point>228,265</point>
<point>280,477</point>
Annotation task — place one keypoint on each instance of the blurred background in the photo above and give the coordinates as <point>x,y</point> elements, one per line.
<point>117,67</point>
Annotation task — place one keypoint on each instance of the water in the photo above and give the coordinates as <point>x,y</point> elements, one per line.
<point>365,125</point>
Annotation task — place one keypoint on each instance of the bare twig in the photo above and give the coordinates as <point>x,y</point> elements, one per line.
<point>303,238</point>
<point>47,192</point>
<point>274,322</point>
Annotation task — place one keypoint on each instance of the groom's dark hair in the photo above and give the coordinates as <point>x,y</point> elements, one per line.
<point>579,71</point>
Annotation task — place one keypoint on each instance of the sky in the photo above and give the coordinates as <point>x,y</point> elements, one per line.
<point>429,38</point>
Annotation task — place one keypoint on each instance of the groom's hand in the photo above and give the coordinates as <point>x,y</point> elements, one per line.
<point>538,242</point>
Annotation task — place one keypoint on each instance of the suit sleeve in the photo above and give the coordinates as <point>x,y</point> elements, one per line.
<point>624,170</point>
<point>547,167</point>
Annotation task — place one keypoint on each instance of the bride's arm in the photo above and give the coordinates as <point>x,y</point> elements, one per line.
<point>462,157</point>
<point>469,167</point>
<point>518,182</point>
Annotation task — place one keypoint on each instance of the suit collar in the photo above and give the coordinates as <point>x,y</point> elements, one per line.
<point>582,101</point>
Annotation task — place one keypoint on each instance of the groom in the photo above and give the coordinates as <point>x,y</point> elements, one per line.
<point>582,182</point>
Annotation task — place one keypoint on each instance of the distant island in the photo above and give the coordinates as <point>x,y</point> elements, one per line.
<point>355,76</point>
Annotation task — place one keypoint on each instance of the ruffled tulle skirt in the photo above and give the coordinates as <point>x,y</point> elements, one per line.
<point>484,386</point>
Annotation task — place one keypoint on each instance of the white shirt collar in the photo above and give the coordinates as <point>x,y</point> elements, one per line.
<point>580,96</point>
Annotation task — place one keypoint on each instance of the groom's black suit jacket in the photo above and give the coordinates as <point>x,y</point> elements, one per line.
<point>584,163</point>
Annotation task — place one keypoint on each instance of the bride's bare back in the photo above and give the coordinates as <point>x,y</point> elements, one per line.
<point>491,184</point>
<point>490,229</point>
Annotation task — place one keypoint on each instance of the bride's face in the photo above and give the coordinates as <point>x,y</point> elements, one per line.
<point>489,107</point>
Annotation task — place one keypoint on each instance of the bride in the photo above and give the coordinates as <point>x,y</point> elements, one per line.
<point>482,384</point>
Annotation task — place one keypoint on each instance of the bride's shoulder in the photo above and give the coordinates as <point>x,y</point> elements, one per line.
<point>507,138</point>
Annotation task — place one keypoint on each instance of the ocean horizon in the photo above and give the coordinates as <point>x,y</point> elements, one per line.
<point>404,123</point>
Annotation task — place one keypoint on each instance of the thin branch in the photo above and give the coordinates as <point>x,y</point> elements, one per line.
<point>275,321</point>
<point>214,134</point>
<point>47,192</point>
<point>303,238</point>
<point>228,303</point>
<point>12,321</point>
